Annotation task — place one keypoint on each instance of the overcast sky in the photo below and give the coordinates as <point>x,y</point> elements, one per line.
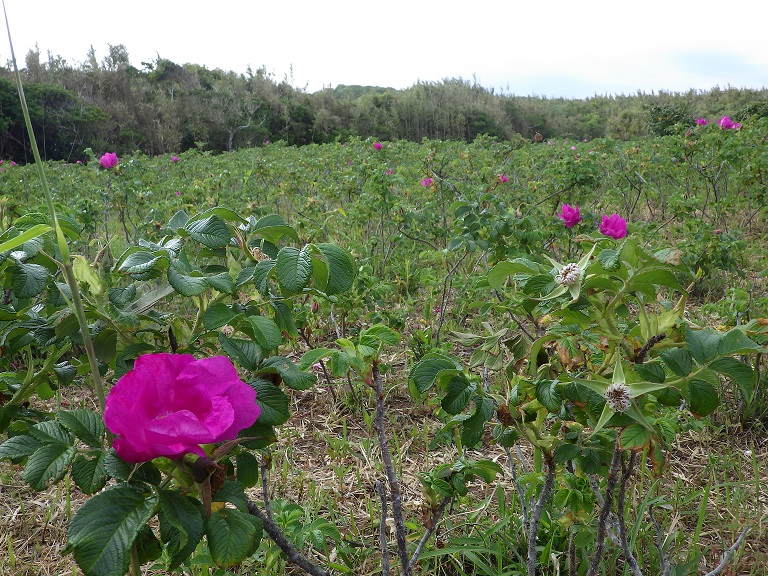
<point>552,48</point>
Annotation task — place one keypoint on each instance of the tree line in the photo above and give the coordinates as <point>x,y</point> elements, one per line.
<point>110,104</point>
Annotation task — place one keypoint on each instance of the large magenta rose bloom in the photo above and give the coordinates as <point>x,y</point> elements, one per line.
<point>169,404</point>
<point>570,215</point>
<point>109,160</point>
<point>614,226</point>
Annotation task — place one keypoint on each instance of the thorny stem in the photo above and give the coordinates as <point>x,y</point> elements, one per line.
<point>432,527</point>
<point>626,474</point>
<point>396,496</point>
<point>277,536</point>
<point>664,564</point>
<point>728,553</point>
<point>444,298</point>
<point>614,528</point>
<point>613,477</point>
<point>533,529</point>
<point>520,491</point>
<point>381,489</point>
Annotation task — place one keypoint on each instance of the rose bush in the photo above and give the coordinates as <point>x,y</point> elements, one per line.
<point>169,404</point>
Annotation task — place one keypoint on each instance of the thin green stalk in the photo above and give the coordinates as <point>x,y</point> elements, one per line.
<point>66,264</point>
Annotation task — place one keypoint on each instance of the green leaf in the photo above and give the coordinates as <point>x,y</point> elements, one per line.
<point>425,371</point>
<point>182,525</point>
<point>247,469</point>
<point>89,474</point>
<point>656,277</point>
<point>139,262</point>
<point>232,536</point>
<point>105,345</point>
<point>565,452</point>
<point>178,220</point>
<point>742,374</point>
<point>222,282</point>
<point>703,344</point>
<point>342,269</point>
<point>148,547</point>
<point>291,375</point>
<point>247,353</point>
<point>28,280</point>
<point>104,528</point>
<point>19,446</point>
<point>272,401</point>
<point>634,437</point>
<point>212,231</point>
<point>85,424</point>
<point>609,259</point>
<point>487,470</point>
<point>702,396</point>
<point>29,234</point>
<point>266,332</point>
<point>548,393</point>
<point>272,228</point>
<point>217,315</point>
<point>379,333</point>
<point>678,360</point>
<point>122,470</point>
<point>233,493</point>
<point>186,284</point>
<point>50,432</point>
<point>736,342</point>
<point>84,272</point>
<point>651,371</point>
<point>311,356</point>
<point>293,268</point>
<point>457,394</point>
<point>497,276</point>
<point>49,463</point>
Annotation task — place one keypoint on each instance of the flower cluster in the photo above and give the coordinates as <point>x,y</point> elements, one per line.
<point>725,123</point>
<point>426,182</point>
<point>613,226</point>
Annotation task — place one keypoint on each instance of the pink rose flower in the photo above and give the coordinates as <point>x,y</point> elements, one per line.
<point>614,226</point>
<point>109,160</point>
<point>735,126</point>
<point>426,182</point>
<point>570,215</point>
<point>503,178</point>
<point>725,123</point>
<point>169,404</point>
<point>178,192</point>
<point>702,121</point>
<point>377,145</point>
<point>174,159</point>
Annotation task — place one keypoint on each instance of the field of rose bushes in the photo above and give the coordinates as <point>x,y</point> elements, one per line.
<point>502,357</point>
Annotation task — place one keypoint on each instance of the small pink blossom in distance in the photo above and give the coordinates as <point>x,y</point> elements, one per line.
<point>613,226</point>
<point>170,404</point>
<point>389,172</point>
<point>570,215</point>
<point>702,121</point>
<point>503,178</point>
<point>174,159</point>
<point>13,163</point>
<point>266,141</point>
<point>178,193</point>
<point>573,147</point>
<point>736,126</point>
<point>725,123</point>
<point>718,231</point>
<point>377,145</point>
<point>426,182</point>
<point>109,160</point>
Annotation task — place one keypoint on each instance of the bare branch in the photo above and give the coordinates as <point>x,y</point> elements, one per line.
<point>382,491</point>
<point>728,553</point>
<point>432,527</point>
<point>394,486</point>
<point>533,529</point>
